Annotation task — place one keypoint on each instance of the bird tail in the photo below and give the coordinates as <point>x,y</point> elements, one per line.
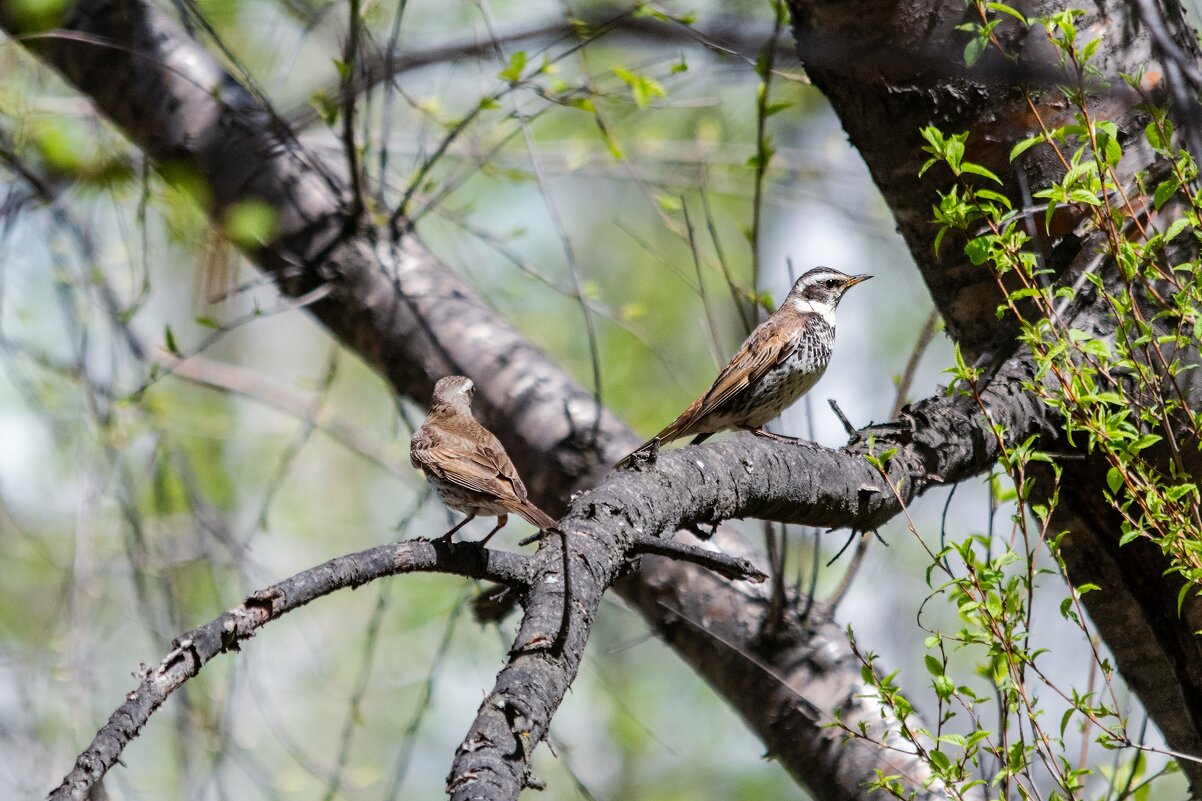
<point>629,458</point>
<point>536,517</point>
<point>682,426</point>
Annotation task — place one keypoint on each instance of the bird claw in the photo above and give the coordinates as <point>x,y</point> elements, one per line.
<point>760,432</point>
<point>643,457</point>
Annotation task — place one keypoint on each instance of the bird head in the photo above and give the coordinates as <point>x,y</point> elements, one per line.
<point>455,391</point>
<point>820,289</point>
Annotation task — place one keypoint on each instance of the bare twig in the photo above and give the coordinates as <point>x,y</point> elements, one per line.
<point>350,61</point>
<point>732,567</point>
<point>249,384</point>
<point>192,650</point>
<point>847,426</point>
<point>925,335</point>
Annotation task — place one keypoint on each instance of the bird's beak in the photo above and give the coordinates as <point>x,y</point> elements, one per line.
<point>855,279</point>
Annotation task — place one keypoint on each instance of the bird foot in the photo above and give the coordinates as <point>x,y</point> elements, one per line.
<point>645,456</point>
<point>760,432</point>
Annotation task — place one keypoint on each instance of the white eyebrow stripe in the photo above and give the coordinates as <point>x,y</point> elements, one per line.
<point>810,307</point>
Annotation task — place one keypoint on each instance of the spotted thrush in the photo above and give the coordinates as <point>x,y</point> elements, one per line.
<point>784,356</point>
<point>466,465</point>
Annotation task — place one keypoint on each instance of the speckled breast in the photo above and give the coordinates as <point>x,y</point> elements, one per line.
<point>781,386</point>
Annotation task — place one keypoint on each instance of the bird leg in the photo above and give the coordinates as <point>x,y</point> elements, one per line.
<point>501,521</point>
<point>447,537</point>
<point>766,434</point>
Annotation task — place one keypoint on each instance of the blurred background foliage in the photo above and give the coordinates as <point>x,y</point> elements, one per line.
<point>141,495</point>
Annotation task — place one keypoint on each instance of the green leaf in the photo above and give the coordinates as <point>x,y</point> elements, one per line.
<point>977,169</point>
<point>975,49</point>
<point>642,88</point>
<point>1024,145</point>
<point>35,16</point>
<point>169,339</point>
<point>1064,719</point>
<point>776,108</point>
<point>1179,491</point>
<point>517,64</point>
<point>1158,140</point>
<point>954,151</point>
<point>996,197</point>
<point>977,250</point>
<point>1145,441</point>
<point>250,223</point>
<point>1165,192</point>
<point>1084,196</point>
<point>1114,480</point>
<point>1005,9</point>
<point>1176,228</point>
<point>668,203</point>
<point>943,232</point>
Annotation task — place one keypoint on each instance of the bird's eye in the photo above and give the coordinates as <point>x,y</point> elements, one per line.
<point>830,283</point>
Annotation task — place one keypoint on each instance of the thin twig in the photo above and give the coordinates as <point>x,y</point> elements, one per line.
<point>847,426</point>
<point>907,377</point>
<point>733,567</point>
<point>350,56</point>
<point>763,150</point>
<point>192,650</point>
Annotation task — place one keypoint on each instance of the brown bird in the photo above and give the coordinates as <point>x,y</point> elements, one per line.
<point>784,356</point>
<point>466,465</point>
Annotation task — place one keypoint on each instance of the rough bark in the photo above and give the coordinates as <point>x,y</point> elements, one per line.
<point>916,76</point>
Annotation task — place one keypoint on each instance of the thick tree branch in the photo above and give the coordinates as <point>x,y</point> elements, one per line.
<point>192,650</point>
<point>940,440</point>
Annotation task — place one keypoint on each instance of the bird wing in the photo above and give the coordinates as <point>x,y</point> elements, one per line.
<point>768,346</point>
<point>479,463</point>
